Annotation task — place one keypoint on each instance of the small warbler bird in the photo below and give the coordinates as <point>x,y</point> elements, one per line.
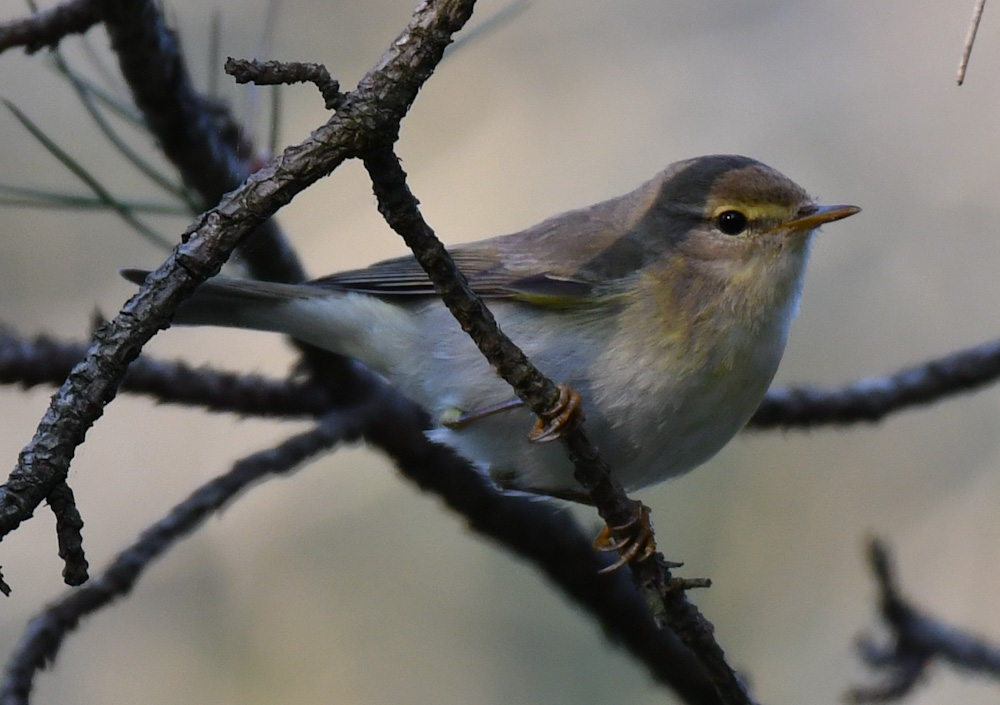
<point>667,309</point>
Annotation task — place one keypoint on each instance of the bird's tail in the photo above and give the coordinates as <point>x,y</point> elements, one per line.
<point>231,302</point>
<point>351,324</point>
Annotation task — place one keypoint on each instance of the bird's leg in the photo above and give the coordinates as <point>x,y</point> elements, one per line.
<point>455,418</point>
<point>638,545</point>
<point>564,415</point>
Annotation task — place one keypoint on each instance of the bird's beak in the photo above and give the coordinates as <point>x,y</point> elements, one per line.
<point>813,216</point>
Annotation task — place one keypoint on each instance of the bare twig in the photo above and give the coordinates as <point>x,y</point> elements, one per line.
<point>48,28</point>
<point>68,526</point>
<point>917,640</point>
<point>970,38</point>
<point>276,73</point>
<point>499,19</point>
<point>26,197</point>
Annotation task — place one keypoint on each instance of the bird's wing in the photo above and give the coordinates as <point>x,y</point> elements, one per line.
<point>488,277</point>
<point>560,262</point>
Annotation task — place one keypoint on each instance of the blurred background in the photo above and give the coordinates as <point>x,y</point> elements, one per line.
<point>568,103</point>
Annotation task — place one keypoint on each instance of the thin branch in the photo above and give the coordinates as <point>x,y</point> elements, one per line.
<point>48,28</point>
<point>214,53</point>
<point>47,631</point>
<point>498,20</point>
<point>917,640</point>
<point>253,97</point>
<point>107,98</point>
<point>970,38</point>
<point>276,73</point>
<point>68,526</point>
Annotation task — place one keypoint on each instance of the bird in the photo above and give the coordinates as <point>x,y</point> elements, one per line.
<point>664,311</point>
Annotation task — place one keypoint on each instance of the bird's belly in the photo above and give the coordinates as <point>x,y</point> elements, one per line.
<point>652,417</point>
<point>647,435</point>
<point>665,418</point>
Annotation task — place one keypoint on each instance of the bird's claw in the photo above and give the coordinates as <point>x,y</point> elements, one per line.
<point>638,544</point>
<point>563,416</point>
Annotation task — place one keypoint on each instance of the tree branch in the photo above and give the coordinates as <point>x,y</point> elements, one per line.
<point>43,360</point>
<point>48,28</point>
<point>369,115</point>
<point>875,398</point>
<point>917,640</point>
<point>47,631</point>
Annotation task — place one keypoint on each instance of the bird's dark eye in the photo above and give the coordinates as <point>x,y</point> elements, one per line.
<point>731,222</point>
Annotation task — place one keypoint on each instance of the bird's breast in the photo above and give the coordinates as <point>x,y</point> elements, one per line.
<point>678,379</point>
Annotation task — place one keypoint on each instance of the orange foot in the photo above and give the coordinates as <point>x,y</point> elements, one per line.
<point>638,545</point>
<point>559,419</point>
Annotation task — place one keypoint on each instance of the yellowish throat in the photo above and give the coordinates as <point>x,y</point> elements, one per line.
<point>667,309</point>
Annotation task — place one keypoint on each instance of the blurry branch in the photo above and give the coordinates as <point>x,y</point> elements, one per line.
<point>494,22</point>
<point>43,360</point>
<point>46,631</point>
<point>215,55</point>
<point>970,38</point>
<point>875,398</point>
<point>48,28</point>
<point>917,640</point>
<point>114,104</point>
<point>197,135</point>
